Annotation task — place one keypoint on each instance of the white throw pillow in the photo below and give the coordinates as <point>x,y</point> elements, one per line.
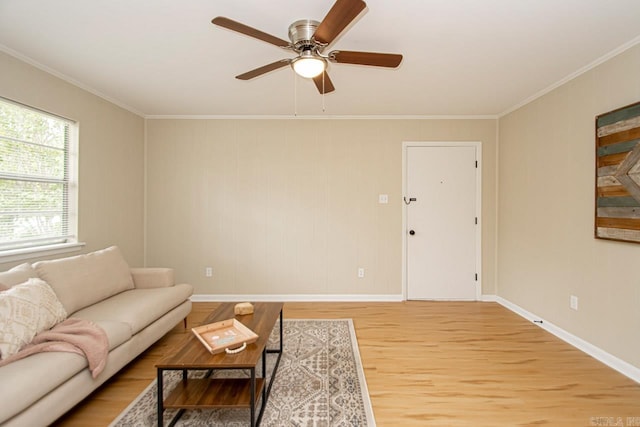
<point>26,310</point>
<point>16,275</point>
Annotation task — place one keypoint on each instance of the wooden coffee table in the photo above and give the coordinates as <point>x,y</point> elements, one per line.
<point>191,354</point>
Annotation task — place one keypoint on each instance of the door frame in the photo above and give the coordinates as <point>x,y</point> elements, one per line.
<point>478,147</point>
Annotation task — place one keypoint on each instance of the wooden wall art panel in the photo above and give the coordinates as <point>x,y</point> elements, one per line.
<point>618,174</point>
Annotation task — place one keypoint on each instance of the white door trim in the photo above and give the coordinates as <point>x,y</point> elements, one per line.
<point>478,147</point>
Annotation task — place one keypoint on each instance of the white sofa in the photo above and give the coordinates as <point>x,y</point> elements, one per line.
<point>135,307</point>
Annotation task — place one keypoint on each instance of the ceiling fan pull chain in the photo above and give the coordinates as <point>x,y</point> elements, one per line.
<point>323,91</point>
<point>295,95</point>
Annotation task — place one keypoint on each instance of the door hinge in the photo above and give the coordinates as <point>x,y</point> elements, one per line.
<point>476,220</point>
<point>476,277</point>
<point>476,164</point>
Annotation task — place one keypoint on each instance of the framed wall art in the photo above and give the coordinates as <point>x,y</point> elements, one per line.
<point>617,214</point>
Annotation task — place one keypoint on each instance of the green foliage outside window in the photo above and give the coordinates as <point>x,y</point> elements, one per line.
<point>34,178</point>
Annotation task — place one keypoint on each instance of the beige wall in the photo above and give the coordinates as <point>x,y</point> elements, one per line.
<point>291,206</point>
<point>111,156</point>
<point>547,251</point>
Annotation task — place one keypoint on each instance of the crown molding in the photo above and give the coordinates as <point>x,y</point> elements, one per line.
<point>315,117</point>
<point>620,49</point>
<point>68,79</point>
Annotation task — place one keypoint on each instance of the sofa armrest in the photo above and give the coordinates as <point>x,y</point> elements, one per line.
<point>145,278</point>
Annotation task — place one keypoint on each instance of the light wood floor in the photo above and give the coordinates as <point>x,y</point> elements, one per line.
<point>436,364</point>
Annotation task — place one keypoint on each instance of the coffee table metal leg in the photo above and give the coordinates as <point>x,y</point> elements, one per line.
<point>264,373</point>
<point>177,416</point>
<point>253,397</point>
<point>268,384</point>
<point>279,353</point>
<point>160,398</point>
<point>281,329</point>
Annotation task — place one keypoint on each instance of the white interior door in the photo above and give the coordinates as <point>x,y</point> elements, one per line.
<point>441,222</point>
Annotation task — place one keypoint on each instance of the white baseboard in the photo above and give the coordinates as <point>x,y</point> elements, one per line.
<point>298,298</point>
<point>597,353</point>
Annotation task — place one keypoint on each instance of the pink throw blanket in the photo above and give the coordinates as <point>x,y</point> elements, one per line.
<point>72,335</point>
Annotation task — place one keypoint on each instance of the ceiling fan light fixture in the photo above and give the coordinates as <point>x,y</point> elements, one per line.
<point>308,65</point>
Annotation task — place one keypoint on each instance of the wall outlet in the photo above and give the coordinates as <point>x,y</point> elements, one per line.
<point>208,271</point>
<point>573,302</point>
<point>361,272</point>
<point>383,199</point>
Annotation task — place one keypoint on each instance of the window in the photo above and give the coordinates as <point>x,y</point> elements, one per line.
<point>37,180</point>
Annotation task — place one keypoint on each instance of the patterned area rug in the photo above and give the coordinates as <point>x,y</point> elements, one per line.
<point>320,382</point>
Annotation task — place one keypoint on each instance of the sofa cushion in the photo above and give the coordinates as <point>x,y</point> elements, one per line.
<point>117,332</point>
<point>26,310</point>
<point>16,275</point>
<point>83,280</point>
<point>138,307</point>
<point>27,380</point>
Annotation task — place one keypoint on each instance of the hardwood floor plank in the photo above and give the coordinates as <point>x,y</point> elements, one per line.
<point>434,364</point>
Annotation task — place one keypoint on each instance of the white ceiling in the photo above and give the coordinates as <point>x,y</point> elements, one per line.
<point>461,57</point>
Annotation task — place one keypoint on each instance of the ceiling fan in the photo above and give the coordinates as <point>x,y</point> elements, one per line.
<point>309,39</point>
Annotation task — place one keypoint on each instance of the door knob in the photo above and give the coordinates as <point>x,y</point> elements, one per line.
<point>412,232</point>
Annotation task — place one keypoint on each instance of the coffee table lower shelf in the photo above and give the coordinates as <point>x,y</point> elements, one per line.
<point>213,393</point>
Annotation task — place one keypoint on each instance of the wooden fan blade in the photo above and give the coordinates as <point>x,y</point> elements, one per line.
<point>390,60</point>
<point>340,15</point>
<point>325,86</point>
<point>249,31</point>
<point>264,69</point>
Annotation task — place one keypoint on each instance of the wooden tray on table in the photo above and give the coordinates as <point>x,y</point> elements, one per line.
<point>226,334</point>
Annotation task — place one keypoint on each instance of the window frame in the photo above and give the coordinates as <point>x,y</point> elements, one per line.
<point>72,243</point>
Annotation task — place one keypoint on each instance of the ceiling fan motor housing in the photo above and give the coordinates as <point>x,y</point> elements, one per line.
<point>301,34</point>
